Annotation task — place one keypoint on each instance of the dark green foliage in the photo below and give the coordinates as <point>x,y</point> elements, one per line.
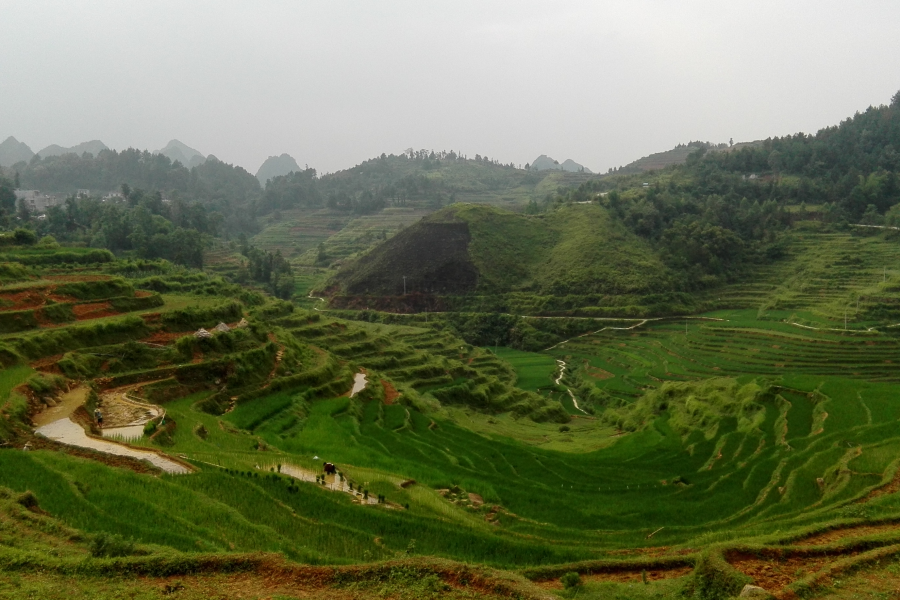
<point>44,385</point>
<point>570,580</point>
<point>93,290</point>
<point>18,320</point>
<point>715,579</point>
<point>57,313</point>
<point>10,271</point>
<point>24,237</point>
<point>194,317</point>
<point>268,268</point>
<point>106,545</point>
<point>128,304</point>
<point>58,341</point>
<point>76,365</point>
<point>62,256</point>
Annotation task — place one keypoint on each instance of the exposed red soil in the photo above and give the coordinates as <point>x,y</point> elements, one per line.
<point>774,574</point>
<point>390,392</point>
<point>890,488</point>
<point>624,577</point>
<point>78,277</point>
<point>836,535</point>
<point>151,317</point>
<point>276,578</point>
<point>142,293</point>
<point>30,298</point>
<point>47,364</point>
<point>598,373</point>
<point>93,310</point>
<point>162,337</point>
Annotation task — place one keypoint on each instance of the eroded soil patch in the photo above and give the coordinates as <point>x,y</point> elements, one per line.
<point>390,392</point>
<point>774,574</point>
<point>635,576</point>
<point>836,535</point>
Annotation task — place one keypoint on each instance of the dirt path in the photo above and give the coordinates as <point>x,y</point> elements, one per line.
<point>562,370</point>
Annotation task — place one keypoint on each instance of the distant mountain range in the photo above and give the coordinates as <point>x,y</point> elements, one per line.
<point>13,151</point>
<point>276,166</point>
<point>545,163</point>
<point>94,147</point>
<point>183,153</point>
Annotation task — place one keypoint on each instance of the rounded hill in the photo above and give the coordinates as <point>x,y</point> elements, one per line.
<point>473,248</point>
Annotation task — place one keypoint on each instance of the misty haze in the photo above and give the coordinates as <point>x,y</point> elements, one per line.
<point>472,301</point>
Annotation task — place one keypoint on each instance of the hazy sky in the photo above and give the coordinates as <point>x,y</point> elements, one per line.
<point>336,82</point>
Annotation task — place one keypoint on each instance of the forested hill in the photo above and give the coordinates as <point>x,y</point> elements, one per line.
<point>708,221</point>
<point>416,178</point>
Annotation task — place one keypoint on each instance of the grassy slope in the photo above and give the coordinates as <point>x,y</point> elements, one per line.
<point>741,481</point>
<point>298,232</point>
<point>576,249</point>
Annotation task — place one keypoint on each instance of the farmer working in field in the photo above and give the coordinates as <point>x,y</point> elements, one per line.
<point>99,417</point>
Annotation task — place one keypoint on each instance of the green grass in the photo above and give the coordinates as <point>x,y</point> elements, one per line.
<point>12,376</point>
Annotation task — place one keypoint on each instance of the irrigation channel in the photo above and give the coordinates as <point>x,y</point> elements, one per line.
<point>56,424</point>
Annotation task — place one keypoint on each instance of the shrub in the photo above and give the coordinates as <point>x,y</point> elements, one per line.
<point>570,580</point>
<point>24,237</point>
<point>49,242</point>
<point>106,545</point>
<point>66,257</point>
<point>94,290</point>
<point>42,384</point>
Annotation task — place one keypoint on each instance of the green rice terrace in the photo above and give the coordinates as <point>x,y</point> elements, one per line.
<point>753,442</point>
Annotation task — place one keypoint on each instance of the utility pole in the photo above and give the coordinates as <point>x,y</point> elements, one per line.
<point>404,285</point>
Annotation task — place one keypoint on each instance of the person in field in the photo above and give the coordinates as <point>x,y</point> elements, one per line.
<point>98,416</point>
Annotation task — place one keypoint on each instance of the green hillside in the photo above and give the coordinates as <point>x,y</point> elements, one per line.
<point>668,390</point>
<point>477,249</point>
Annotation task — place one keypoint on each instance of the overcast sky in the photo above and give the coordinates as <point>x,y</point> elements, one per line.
<point>336,82</point>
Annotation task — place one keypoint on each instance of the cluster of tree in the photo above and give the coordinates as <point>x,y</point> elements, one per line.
<point>7,201</point>
<point>141,225</point>
<point>389,180</point>
<point>852,165</point>
<point>722,208</point>
<point>270,269</point>
<point>223,188</point>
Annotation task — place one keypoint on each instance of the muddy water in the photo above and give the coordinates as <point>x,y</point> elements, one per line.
<point>128,433</point>
<point>359,384</point>
<point>68,432</point>
<point>68,402</point>
<point>332,482</point>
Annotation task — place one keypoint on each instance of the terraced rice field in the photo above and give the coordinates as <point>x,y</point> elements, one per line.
<point>361,233</point>
<point>826,275</point>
